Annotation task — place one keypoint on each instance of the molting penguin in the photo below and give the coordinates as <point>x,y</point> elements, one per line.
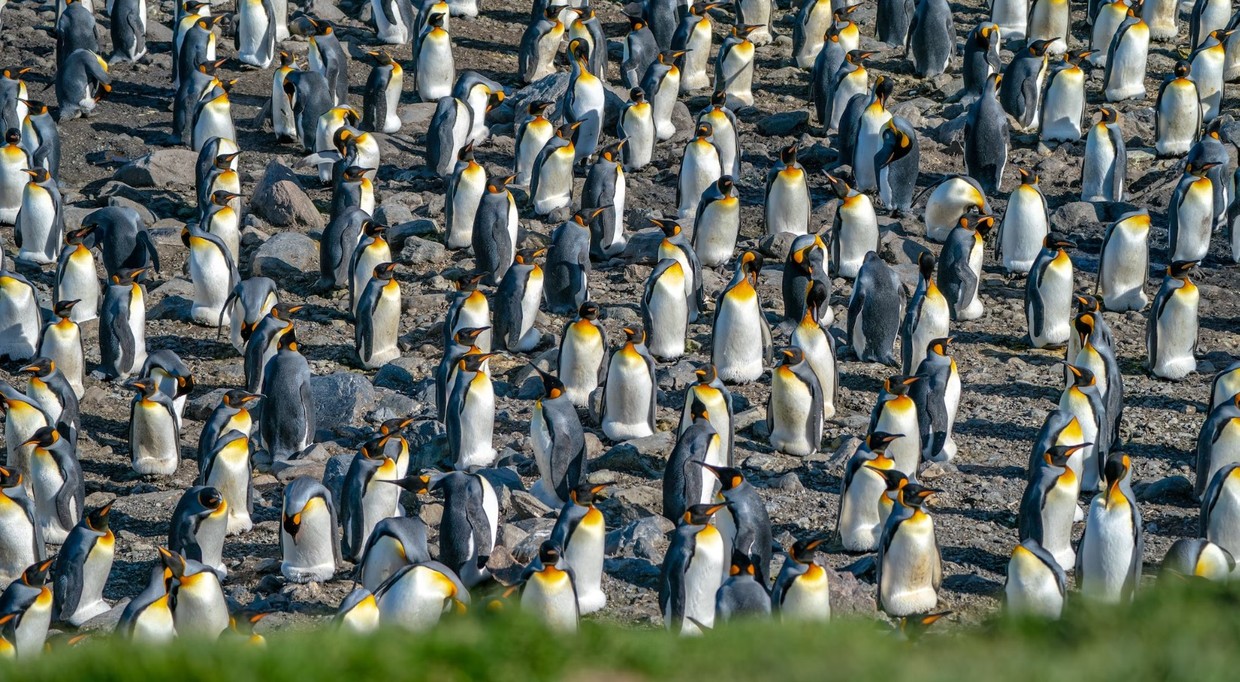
<point>1163,17</point>
<point>1024,227</point>
<point>630,394</point>
<point>1171,332</point>
<point>874,311</point>
<point>495,230</point>
<point>1048,295</point>
<point>1178,110</point>
<point>1105,167</point>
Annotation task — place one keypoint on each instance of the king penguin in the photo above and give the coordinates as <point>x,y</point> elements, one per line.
<point>1178,112</point>
<point>559,443</point>
<point>875,309</point>
<point>794,413</point>
<point>1036,585</point>
<point>580,530</point>
<point>1109,558</point>
<point>960,266</point>
<point>862,514</point>
<point>630,395</point>
<point>928,316</point>
<point>910,569</point>
<point>937,395</point>
<point>517,302</point>
<point>1171,331</point>
<point>1025,225</point>
<point>1126,59</point>
<point>1105,167</point>
<point>931,40</point>
<point>692,572</point>
<point>1049,503</point>
<point>741,345</point>
<point>1048,294</point>
<point>582,352</point>
<point>986,138</point>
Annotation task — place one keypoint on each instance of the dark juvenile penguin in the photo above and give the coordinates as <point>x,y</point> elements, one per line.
<point>987,137</point>
<point>931,40</point>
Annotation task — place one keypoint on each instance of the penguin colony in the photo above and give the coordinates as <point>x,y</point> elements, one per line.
<point>57,552</point>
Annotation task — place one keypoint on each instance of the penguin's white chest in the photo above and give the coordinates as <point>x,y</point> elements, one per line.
<point>861,517</point>
<point>230,474</point>
<point>310,556</point>
<point>17,552</point>
<point>1058,511</point>
<point>1177,334</point>
<point>416,601</point>
<point>581,355</point>
<point>702,579</point>
<point>1226,448</point>
<point>477,424</point>
<point>669,313</point>
<point>548,596</point>
<point>813,341</point>
<point>153,439</point>
<point>900,416</point>
<point>910,567</point>
<point>790,413</point>
<point>869,140</point>
<point>808,597</point>
<point>629,394</point>
<point>1106,551</point>
<point>738,350</point>
<point>46,482</point>
<point>585,554</point>
<point>386,556</point>
<point>1223,528</point>
<point>1124,267</point>
<point>856,234</point>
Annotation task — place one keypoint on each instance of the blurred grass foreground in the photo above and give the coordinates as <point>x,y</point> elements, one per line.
<point>1180,632</point>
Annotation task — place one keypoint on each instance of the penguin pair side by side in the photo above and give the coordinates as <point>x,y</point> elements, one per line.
<point>1048,507</point>
<point>813,337</point>
<point>467,533</point>
<point>910,569</point>
<point>868,475</point>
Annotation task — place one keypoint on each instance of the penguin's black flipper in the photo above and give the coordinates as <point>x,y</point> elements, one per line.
<point>477,517</point>
<point>152,254</point>
<point>1033,297</point>
<point>1120,163</point>
<point>672,595</point>
<point>307,399</point>
<point>70,497</point>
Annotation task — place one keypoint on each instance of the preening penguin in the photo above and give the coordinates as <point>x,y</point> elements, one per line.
<point>395,542</point>
<point>470,519</point>
<point>794,413</point>
<point>1108,561</point>
<point>986,140</point>
<point>909,566</point>
<point>1036,585</point>
<point>897,164</point>
<point>250,301</point>
<point>874,311</point>
<point>630,394</point>
<point>1178,112</point>
<point>1048,294</point>
<point>1025,225</point>
<point>741,346</point>
<point>198,526</point>
<point>1105,168</point>
<point>308,532</point>
<point>960,265</point>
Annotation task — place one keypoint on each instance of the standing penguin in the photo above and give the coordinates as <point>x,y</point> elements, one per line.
<point>495,230</point>
<point>787,204</point>
<point>805,265</point>
<point>960,266</point>
<point>832,91</point>
<point>213,273</point>
<point>559,442</point>
<point>568,264</point>
<point>897,163</point>
<point>981,47</point>
<point>377,319</point>
<point>56,483</point>
<point>1217,443</point>
<point>716,400</point>
<point>22,542</point>
<point>289,411</point>
<point>470,414</point>
<point>14,160</point>
<point>665,309</point>
<point>1123,264</point>
<point>583,349</point>
<point>1049,22</point>
<point>76,276</point>
<point>802,592</point>
<point>583,101</point>
<point>661,84</point>
<point>1083,399</point>
<point>741,345</point>
<point>693,38</point>
<point>931,38</point>
<point>1191,213</point>
<point>1108,16</point>
<point>463,197</point>
<point>874,311</point>
<point>580,530</point>
<point>937,394</point>
<point>28,600</point>
<point>854,229</point>
<point>794,413</point>
<point>684,477</point>
<point>1063,106</point>
<point>1178,112</point>
<point>82,567</point>
<point>1105,168</point>
<point>532,135</point>
<point>517,301</point>
<point>467,533</point>
<point>1108,560</point>
<point>1219,521</point>
<point>364,500</point>
<point>372,250</point>
<point>1171,331</point>
<point>39,221</point>
<point>1207,69</point>
<point>308,530</point>
<point>447,134</point>
<point>640,49</point>
<point>1127,58</point>
<point>552,185</point>
<point>199,524</point>
<point>61,343</point>
<point>987,137</point>
<point>928,316</point>
<point>809,30</point>
<point>892,19</point>
<point>734,64</point>
<point>861,517</point>
<point>549,590</point>
<point>1049,503</point>
<point>630,394</point>
<point>700,167</point>
<point>1048,294</point>
<point>1163,17</point>
<point>692,572</point>
<point>1025,225</point>
<point>539,44</point>
<point>605,189</point>
<point>717,224</point>
<point>636,127</point>
<point>250,301</point>
<point>122,325</point>
<point>382,92</point>
<point>154,439</point>
<point>1035,584</point>
<point>895,412</point>
<point>910,569</point>
<point>724,134</point>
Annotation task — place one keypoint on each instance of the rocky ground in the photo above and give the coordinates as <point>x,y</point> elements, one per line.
<point>1008,387</point>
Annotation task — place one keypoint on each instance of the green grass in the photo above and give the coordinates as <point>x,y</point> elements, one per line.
<point>1185,633</point>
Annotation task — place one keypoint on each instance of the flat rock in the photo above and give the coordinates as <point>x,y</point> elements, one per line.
<point>161,168</point>
<point>784,123</point>
<point>280,200</point>
<point>342,398</point>
<point>287,254</point>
